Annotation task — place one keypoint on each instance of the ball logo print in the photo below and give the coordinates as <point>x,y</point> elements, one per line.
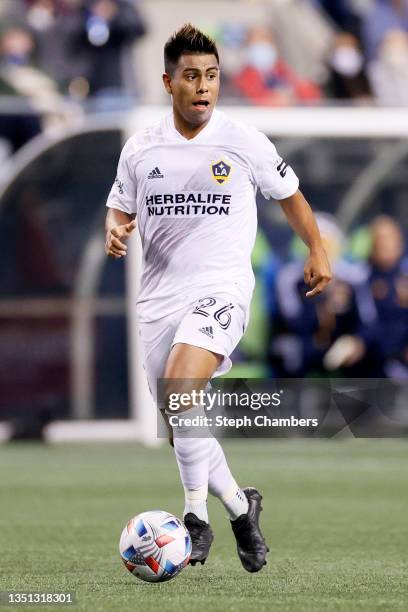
<point>155,546</point>
<point>221,172</point>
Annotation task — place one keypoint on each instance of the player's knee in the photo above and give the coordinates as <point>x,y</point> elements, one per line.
<point>191,362</point>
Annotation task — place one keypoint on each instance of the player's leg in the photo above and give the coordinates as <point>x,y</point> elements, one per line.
<point>206,336</point>
<point>243,506</point>
<point>189,368</point>
<point>194,457</point>
<point>162,359</point>
<point>202,465</point>
<point>156,342</point>
<point>199,455</point>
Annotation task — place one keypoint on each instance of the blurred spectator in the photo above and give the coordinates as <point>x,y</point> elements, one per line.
<point>303,35</point>
<point>383,343</point>
<point>347,76</point>
<point>303,330</point>
<point>84,44</point>
<point>388,279</point>
<point>19,72</point>
<point>98,33</point>
<point>19,78</point>
<point>265,78</point>
<point>47,20</point>
<point>389,71</point>
<point>384,15</point>
<point>37,102</point>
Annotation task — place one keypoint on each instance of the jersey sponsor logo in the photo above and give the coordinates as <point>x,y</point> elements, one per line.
<point>208,331</point>
<point>188,204</point>
<point>119,185</point>
<point>281,168</point>
<point>188,210</point>
<point>155,173</point>
<point>221,172</point>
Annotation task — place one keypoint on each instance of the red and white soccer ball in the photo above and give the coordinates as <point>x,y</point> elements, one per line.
<point>155,546</point>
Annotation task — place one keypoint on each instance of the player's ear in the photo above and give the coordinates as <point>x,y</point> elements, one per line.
<point>167,83</point>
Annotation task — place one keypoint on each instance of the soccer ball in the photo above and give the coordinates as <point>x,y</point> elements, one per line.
<point>155,546</point>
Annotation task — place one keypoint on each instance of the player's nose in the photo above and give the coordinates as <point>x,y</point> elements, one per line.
<point>202,86</point>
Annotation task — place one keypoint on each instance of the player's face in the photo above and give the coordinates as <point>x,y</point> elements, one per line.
<point>194,86</point>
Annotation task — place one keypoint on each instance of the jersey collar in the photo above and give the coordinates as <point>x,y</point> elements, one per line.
<point>200,136</point>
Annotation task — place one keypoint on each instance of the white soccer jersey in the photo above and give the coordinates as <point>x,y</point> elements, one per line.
<point>196,209</point>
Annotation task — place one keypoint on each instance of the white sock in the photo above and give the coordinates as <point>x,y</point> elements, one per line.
<point>196,502</point>
<point>235,501</point>
<point>222,484</point>
<point>202,466</point>
<point>193,455</point>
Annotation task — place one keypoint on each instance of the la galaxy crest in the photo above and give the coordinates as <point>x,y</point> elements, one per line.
<point>221,171</point>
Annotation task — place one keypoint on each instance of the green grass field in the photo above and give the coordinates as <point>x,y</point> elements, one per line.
<point>335,519</point>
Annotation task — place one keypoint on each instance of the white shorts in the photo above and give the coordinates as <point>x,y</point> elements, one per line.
<point>215,323</point>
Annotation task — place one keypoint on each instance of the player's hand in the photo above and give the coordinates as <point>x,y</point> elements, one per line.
<point>317,272</point>
<point>115,239</point>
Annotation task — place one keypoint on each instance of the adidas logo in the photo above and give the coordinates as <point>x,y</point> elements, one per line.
<point>155,173</point>
<point>208,331</point>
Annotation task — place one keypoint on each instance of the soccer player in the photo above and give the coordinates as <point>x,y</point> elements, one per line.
<point>190,180</point>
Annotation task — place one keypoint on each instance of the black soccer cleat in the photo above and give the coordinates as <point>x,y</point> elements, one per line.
<point>251,545</point>
<point>201,537</point>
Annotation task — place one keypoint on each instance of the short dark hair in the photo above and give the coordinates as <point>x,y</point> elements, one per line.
<point>187,39</point>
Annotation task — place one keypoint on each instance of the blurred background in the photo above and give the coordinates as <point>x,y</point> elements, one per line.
<point>326,80</point>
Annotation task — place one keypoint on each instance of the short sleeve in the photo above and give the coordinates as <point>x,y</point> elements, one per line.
<point>123,193</point>
<point>274,177</point>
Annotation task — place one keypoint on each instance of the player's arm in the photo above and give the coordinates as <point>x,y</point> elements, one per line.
<point>317,272</point>
<point>118,226</point>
